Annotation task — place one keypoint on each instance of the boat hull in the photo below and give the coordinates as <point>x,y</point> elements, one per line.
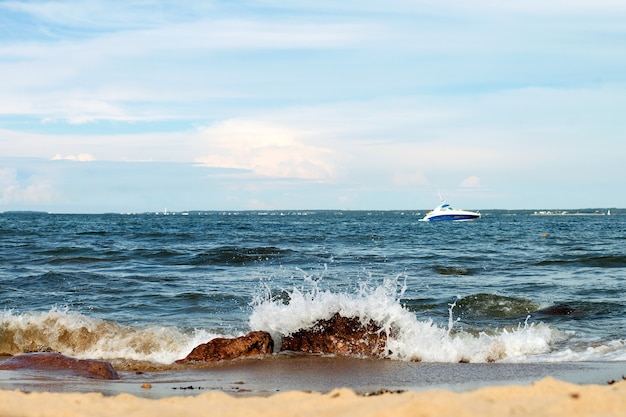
<point>445,213</point>
<point>452,218</point>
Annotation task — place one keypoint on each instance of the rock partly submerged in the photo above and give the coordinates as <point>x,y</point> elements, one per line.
<point>252,344</point>
<point>338,335</point>
<point>51,361</point>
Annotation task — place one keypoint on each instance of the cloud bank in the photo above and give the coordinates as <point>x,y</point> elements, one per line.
<point>327,104</point>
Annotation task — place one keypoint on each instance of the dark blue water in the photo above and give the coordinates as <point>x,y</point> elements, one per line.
<point>508,287</point>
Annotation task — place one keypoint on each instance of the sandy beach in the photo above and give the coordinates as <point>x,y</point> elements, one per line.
<point>547,397</point>
<point>289,385</point>
<point>309,373</point>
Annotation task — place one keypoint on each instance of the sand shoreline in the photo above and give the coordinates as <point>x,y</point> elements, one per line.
<point>283,373</point>
<point>547,397</point>
<point>308,385</point>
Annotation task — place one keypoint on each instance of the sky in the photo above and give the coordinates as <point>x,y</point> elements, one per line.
<point>147,105</point>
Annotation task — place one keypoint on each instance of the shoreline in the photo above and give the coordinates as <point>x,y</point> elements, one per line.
<point>270,375</point>
<point>308,385</point>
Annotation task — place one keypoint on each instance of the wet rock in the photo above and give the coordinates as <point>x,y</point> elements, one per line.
<point>50,361</point>
<point>252,344</point>
<point>338,335</point>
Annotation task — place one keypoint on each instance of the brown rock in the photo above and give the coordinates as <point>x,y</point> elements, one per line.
<point>252,344</point>
<point>339,335</point>
<point>48,361</point>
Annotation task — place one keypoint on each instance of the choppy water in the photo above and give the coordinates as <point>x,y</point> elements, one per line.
<point>509,287</point>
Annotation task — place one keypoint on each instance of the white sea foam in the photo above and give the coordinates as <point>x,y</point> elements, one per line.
<point>80,336</point>
<point>409,338</point>
<point>609,351</point>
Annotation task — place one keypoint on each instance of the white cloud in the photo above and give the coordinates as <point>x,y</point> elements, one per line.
<point>82,157</point>
<point>265,149</point>
<point>34,189</point>
<point>471,182</point>
<point>101,15</point>
<point>140,74</point>
<point>164,147</point>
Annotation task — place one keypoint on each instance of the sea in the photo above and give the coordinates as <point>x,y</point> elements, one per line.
<point>515,294</point>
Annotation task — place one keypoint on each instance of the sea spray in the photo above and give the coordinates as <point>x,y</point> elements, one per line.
<point>305,306</point>
<point>80,336</point>
<point>451,316</point>
<point>409,339</point>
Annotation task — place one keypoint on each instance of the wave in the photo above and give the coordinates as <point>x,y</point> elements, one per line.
<point>453,270</point>
<point>283,312</point>
<point>593,261</point>
<point>408,339</point>
<point>80,336</point>
<point>235,255</point>
<point>221,256</point>
<point>78,260</point>
<point>495,306</point>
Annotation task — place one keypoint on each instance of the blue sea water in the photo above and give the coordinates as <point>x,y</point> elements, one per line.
<point>509,287</point>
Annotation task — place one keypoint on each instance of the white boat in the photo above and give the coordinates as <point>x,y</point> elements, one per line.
<point>445,212</point>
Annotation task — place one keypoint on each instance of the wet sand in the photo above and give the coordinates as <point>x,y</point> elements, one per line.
<point>282,373</point>
<point>288,385</point>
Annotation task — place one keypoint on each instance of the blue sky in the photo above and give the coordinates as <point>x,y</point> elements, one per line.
<point>219,105</point>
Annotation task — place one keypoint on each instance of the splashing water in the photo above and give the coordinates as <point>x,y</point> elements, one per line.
<point>77,335</point>
<point>408,339</point>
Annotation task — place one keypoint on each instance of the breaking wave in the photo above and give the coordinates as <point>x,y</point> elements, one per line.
<point>408,339</point>
<point>80,336</point>
<point>282,312</point>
